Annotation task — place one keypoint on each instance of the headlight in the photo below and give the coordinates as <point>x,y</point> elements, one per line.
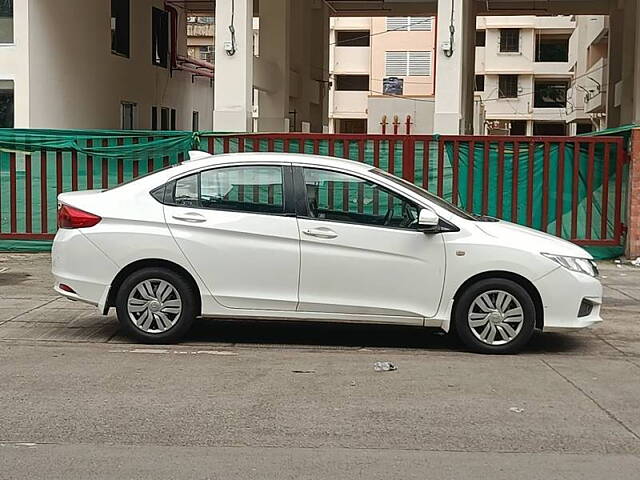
<point>575,264</point>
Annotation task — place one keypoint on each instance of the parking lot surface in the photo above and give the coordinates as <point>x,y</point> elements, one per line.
<point>257,399</point>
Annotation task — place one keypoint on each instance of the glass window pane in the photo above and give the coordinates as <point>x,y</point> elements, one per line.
<point>346,198</point>
<point>186,191</point>
<point>249,189</point>
<point>6,21</point>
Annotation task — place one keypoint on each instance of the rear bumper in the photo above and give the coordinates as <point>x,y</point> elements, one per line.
<point>79,264</point>
<point>562,292</point>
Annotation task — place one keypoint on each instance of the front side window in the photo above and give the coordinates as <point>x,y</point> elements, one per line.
<point>6,104</point>
<point>256,189</point>
<point>6,21</point>
<point>345,198</point>
<point>119,27</point>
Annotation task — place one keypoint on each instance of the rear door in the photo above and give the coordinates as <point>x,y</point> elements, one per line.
<point>236,227</point>
<point>361,252</point>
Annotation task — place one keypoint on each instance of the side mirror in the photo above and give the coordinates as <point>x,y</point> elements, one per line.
<point>428,221</point>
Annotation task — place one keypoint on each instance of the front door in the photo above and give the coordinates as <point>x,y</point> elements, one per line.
<point>235,227</point>
<point>361,252</point>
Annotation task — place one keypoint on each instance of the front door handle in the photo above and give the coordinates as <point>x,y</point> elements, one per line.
<point>191,217</point>
<point>322,232</point>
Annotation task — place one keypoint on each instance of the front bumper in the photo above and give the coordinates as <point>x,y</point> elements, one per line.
<point>562,292</point>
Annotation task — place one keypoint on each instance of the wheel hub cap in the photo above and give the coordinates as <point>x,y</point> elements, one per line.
<point>154,306</point>
<point>495,317</point>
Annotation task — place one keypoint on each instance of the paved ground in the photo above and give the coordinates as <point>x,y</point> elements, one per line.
<point>279,400</point>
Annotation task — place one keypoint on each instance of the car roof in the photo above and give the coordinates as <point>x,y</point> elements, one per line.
<point>276,157</point>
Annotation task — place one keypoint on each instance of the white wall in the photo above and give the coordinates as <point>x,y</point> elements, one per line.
<point>14,64</point>
<point>76,82</point>
<point>421,111</point>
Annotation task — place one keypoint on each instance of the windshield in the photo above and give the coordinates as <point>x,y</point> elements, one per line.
<point>426,195</point>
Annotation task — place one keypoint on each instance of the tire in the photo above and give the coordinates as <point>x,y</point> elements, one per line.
<point>509,313</point>
<point>156,305</point>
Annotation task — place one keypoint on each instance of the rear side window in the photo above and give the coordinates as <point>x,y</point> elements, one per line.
<point>257,189</point>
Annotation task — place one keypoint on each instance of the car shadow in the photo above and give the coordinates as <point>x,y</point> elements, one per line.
<point>321,334</point>
<point>345,335</point>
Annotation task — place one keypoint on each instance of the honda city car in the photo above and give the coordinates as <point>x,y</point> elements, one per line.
<point>306,237</point>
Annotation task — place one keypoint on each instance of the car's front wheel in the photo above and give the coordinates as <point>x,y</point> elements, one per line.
<point>155,305</point>
<point>495,316</point>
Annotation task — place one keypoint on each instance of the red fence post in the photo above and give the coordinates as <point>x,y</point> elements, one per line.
<point>632,249</point>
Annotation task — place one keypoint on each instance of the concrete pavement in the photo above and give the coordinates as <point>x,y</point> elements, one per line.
<point>281,400</point>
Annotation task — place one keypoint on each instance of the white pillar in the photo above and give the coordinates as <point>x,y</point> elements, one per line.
<point>274,62</point>
<point>233,89</point>
<point>454,79</point>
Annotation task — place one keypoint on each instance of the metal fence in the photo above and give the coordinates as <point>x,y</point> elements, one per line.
<point>572,187</point>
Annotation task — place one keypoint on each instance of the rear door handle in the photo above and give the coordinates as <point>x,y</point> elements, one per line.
<point>322,232</point>
<point>191,217</point>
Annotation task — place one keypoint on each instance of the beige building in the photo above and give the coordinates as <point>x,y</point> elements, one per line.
<point>381,69</point>
<point>526,70</point>
<point>99,64</point>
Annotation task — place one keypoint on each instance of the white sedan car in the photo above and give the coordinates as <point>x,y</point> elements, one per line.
<point>303,237</point>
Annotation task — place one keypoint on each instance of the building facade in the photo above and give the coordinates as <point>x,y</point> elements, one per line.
<point>526,71</point>
<point>99,64</point>
<point>382,74</point>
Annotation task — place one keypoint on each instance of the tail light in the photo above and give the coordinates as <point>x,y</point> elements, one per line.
<point>70,217</point>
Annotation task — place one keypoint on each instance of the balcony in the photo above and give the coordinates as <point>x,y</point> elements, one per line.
<point>597,28</point>
<point>351,60</point>
<point>595,83</point>
<point>350,104</point>
<point>200,30</point>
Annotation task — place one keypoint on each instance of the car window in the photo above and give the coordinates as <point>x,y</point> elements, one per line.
<point>426,195</point>
<point>256,189</point>
<point>250,189</point>
<point>347,198</point>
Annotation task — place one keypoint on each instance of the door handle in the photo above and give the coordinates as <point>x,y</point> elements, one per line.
<point>321,232</point>
<point>191,217</point>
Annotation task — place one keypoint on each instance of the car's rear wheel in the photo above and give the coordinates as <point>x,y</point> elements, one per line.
<point>156,305</point>
<point>495,316</point>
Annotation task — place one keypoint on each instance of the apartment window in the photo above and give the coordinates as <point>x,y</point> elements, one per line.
<point>507,86</point>
<point>119,27</point>
<point>481,38</point>
<point>552,48</point>
<point>553,129</point>
<point>358,38</point>
<point>518,127</point>
<point>6,104</point>
<point>160,37</point>
<point>195,121</point>
<point>550,94</point>
<point>206,53</point>
<point>359,83</point>
<point>129,113</point>
<point>174,116</point>
<point>402,64</point>
<point>351,125</point>
<point>479,83</point>
<point>6,21</point>
<point>582,128</point>
<point>509,40</point>
<point>164,118</point>
<point>154,118</point>
<point>413,24</point>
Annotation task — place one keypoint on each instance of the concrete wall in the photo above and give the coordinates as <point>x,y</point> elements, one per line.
<point>420,109</point>
<point>76,82</point>
<point>14,63</point>
<point>401,41</point>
